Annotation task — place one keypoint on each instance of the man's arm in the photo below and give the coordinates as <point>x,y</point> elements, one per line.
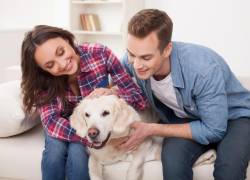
<point>211,102</point>
<point>171,130</point>
<point>144,130</point>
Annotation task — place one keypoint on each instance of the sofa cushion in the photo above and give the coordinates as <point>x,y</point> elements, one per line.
<point>12,118</point>
<point>11,73</point>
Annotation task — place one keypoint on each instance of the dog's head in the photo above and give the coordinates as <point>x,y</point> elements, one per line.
<point>103,117</point>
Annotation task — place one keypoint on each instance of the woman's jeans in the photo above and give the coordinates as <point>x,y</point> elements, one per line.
<point>63,159</point>
<point>233,154</point>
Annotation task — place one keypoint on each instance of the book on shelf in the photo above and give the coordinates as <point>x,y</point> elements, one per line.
<point>83,22</point>
<point>94,0</point>
<point>90,22</point>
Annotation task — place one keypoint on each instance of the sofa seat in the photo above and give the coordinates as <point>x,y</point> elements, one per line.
<point>20,155</point>
<point>20,159</point>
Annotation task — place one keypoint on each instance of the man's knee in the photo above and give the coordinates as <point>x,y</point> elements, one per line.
<point>230,167</point>
<point>178,156</point>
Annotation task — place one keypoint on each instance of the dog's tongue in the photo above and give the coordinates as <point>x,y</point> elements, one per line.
<point>97,143</point>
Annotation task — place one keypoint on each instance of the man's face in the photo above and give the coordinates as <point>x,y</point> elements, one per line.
<point>146,57</point>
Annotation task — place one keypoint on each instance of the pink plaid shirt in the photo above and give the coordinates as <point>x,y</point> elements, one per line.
<point>96,64</point>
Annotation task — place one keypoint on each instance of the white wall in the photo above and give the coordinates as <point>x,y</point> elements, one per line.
<point>18,16</point>
<point>23,14</point>
<point>221,25</point>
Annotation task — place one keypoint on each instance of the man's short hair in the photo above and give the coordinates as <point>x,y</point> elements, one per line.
<point>148,20</point>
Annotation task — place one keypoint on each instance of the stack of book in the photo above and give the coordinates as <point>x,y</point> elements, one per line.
<point>90,22</point>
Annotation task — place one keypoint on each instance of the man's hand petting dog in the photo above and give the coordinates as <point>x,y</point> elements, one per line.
<point>141,131</point>
<point>117,142</point>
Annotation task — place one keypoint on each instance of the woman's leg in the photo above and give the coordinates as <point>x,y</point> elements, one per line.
<point>233,152</point>
<point>54,159</point>
<point>77,162</point>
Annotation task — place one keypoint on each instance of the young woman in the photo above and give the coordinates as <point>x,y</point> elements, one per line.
<point>56,75</point>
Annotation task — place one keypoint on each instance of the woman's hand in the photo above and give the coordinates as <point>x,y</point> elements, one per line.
<point>102,92</point>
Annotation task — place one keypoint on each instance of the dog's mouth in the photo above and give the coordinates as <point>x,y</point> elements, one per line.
<point>99,145</point>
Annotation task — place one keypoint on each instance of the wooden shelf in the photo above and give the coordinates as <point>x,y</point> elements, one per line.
<point>96,2</point>
<point>113,16</point>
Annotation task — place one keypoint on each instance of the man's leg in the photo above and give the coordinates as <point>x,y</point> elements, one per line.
<point>233,152</point>
<point>178,157</point>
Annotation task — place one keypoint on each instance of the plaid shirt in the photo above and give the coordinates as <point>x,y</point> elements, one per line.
<point>97,62</point>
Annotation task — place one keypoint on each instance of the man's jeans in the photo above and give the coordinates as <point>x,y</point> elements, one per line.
<point>62,159</point>
<point>233,154</point>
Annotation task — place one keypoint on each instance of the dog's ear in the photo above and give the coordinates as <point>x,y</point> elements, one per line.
<point>78,122</point>
<point>125,115</point>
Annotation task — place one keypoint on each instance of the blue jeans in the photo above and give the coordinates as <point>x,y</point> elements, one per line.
<point>63,159</point>
<point>233,154</point>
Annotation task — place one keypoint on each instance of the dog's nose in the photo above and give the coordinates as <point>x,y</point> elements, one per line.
<point>93,133</point>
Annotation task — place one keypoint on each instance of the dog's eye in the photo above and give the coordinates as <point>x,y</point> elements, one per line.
<point>87,114</point>
<point>105,113</point>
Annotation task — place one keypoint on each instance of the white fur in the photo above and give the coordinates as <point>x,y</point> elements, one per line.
<point>120,116</point>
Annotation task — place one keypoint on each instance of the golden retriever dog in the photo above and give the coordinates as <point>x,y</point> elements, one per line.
<point>102,119</point>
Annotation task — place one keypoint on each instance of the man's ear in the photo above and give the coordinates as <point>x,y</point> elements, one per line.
<point>78,122</point>
<point>125,115</point>
<point>167,50</point>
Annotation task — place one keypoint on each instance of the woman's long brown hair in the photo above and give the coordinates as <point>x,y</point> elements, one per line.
<point>36,81</point>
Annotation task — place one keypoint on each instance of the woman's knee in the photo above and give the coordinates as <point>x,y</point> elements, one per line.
<point>55,150</point>
<point>77,154</point>
<point>77,162</point>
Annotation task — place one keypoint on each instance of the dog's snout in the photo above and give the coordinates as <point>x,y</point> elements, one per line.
<point>93,133</point>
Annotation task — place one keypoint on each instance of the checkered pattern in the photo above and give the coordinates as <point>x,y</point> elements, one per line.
<point>96,65</point>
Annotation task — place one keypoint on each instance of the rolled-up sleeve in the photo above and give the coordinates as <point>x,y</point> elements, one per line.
<point>57,126</point>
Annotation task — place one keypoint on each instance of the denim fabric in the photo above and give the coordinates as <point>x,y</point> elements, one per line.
<point>63,159</point>
<point>178,154</point>
<point>205,87</point>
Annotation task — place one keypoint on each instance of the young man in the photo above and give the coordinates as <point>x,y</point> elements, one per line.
<point>199,100</point>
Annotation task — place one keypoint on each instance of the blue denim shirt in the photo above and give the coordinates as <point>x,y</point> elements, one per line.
<point>205,87</point>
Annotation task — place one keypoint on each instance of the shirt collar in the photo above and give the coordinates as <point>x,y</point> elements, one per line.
<point>176,73</point>
<point>84,56</point>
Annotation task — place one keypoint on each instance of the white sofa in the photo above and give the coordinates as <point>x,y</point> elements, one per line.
<point>20,158</point>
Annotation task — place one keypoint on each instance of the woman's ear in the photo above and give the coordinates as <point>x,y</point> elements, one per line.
<point>78,122</point>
